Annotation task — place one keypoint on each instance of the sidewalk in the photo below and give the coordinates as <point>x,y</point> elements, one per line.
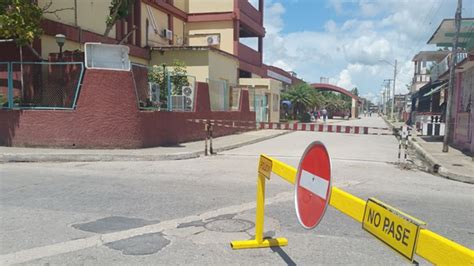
<point>178,152</point>
<point>453,165</point>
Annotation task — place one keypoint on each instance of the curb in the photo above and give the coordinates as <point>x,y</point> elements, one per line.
<point>57,157</point>
<point>436,166</point>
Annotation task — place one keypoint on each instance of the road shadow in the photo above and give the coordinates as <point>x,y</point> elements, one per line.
<point>283,255</point>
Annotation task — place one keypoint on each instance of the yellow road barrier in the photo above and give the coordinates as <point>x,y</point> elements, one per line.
<point>431,246</point>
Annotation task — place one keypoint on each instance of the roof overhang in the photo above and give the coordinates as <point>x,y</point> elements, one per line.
<point>444,34</point>
<point>435,56</point>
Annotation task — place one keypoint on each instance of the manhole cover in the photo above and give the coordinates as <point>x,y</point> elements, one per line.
<point>229,225</point>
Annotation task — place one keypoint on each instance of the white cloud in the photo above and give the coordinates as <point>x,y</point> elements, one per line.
<point>349,51</point>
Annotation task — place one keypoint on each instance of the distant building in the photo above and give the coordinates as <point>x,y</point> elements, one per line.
<point>431,98</point>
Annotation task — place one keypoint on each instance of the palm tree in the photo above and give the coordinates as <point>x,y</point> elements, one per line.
<point>302,97</point>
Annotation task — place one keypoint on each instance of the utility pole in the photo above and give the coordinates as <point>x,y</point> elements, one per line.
<point>452,68</point>
<point>385,101</point>
<point>393,92</point>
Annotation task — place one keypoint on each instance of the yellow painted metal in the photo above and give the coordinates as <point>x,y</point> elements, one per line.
<point>431,246</point>
<point>260,208</point>
<point>269,242</point>
<point>346,203</point>
<point>442,251</point>
<point>259,241</point>
<point>265,166</point>
<point>391,226</point>
<point>283,170</point>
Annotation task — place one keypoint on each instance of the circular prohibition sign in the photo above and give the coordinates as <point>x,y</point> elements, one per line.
<point>313,185</point>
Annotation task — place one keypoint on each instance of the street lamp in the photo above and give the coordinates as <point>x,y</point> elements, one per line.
<point>60,40</point>
<point>394,81</point>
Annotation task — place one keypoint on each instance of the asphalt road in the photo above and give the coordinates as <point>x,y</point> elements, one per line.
<point>188,211</point>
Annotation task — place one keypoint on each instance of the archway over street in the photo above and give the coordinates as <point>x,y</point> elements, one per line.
<point>356,101</point>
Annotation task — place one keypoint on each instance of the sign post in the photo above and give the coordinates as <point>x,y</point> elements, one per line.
<point>313,185</point>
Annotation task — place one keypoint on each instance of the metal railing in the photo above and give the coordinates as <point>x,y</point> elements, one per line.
<point>443,66</point>
<point>157,89</point>
<point>40,85</point>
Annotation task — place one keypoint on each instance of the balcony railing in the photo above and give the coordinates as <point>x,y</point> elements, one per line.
<point>442,67</point>
<point>249,55</point>
<point>421,78</point>
<point>247,8</point>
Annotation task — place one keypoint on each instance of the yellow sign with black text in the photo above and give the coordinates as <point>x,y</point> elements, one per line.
<point>265,167</point>
<point>393,227</point>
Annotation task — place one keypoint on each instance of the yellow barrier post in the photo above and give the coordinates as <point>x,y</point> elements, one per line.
<point>431,246</point>
<point>264,171</point>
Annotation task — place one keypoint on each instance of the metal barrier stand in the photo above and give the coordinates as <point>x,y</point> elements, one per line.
<point>431,246</point>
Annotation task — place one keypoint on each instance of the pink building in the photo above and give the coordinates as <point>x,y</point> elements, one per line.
<point>462,136</point>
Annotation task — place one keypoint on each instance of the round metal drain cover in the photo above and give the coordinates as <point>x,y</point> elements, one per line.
<point>229,225</point>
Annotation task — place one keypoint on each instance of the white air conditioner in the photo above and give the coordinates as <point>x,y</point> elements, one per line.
<point>154,93</point>
<point>213,40</point>
<point>167,34</point>
<point>188,92</point>
<point>178,102</point>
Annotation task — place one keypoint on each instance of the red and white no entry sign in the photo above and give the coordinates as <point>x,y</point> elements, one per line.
<point>313,185</point>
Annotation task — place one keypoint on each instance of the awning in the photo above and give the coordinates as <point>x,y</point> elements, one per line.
<point>435,90</point>
<point>427,88</point>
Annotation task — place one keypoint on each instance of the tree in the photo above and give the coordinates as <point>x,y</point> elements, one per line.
<point>302,97</point>
<point>178,77</point>
<point>355,91</point>
<point>118,10</point>
<point>20,21</point>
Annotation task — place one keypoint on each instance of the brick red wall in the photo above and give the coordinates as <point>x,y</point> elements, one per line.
<point>107,116</point>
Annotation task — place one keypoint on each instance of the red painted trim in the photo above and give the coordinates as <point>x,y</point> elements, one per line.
<point>252,25</point>
<point>251,68</point>
<point>138,23</point>
<point>72,33</point>
<point>167,8</point>
<point>212,16</point>
<point>330,87</point>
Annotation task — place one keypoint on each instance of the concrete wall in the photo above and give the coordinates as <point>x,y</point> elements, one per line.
<point>198,31</point>
<point>161,20</point>
<point>103,120</point>
<point>197,62</point>
<point>181,4</point>
<point>178,31</point>
<point>269,87</point>
<point>222,67</point>
<point>203,64</point>
<point>209,6</point>
<point>90,14</point>
<point>49,45</point>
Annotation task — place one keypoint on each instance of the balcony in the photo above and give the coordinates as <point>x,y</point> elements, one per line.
<point>249,55</point>
<point>442,67</point>
<point>251,21</point>
<point>419,78</point>
<point>250,11</point>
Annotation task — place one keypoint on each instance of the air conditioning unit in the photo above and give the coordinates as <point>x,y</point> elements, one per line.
<point>188,92</point>
<point>154,92</point>
<point>178,102</point>
<point>167,34</point>
<point>213,40</point>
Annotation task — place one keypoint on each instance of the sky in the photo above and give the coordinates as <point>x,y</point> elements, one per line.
<point>345,40</point>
